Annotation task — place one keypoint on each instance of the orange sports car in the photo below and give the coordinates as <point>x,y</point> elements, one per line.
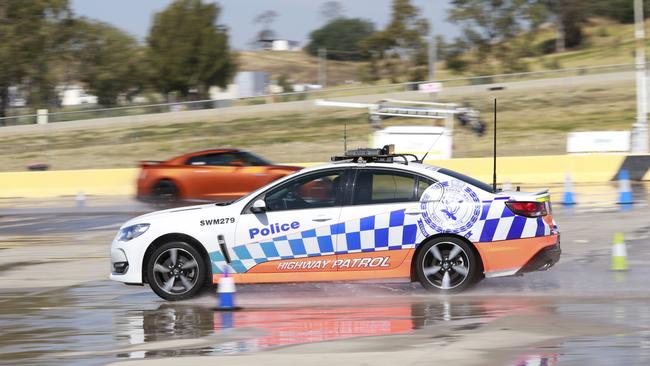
<point>212,175</point>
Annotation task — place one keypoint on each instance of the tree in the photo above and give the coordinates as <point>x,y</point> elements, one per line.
<point>405,33</point>
<point>569,17</point>
<point>32,34</point>
<point>342,38</point>
<point>266,19</point>
<point>403,38</point>
<point>491,30</point>
<point>110,61</point>
<point>619,10</point>
<point>331,10</point>
<point>187,49</point>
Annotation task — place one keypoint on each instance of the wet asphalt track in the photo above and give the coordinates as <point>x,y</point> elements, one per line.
<point>99,321</point>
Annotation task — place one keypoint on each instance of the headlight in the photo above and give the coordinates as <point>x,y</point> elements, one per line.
<point>132,232</point>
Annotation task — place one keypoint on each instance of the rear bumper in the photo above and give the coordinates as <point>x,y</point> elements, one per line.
<point>517,256</point>
<point>544,259</point>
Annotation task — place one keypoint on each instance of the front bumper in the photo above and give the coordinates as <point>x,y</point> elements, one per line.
<point>126,260</point>
<point>544,259</point>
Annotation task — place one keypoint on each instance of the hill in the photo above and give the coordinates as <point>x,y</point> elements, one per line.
<point>300,67</point>
<point>606,43</point>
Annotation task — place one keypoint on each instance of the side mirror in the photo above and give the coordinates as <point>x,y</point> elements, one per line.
<point>258,206</point>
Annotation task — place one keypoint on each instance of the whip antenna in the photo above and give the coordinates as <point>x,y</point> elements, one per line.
<point>345,137</point>
<point>494,172</point>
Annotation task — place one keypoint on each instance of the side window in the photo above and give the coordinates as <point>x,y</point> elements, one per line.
<point>197,160</point>
<point>423,184</point>
<point>249,159</point>
<point>220,159</point>
<point>312,191</point>
<point>377,186</point>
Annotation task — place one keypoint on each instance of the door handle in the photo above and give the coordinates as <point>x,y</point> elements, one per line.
<point>414,212</point>
<point>321,219</point>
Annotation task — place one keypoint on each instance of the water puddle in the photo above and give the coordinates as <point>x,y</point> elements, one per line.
<point>94,324</point>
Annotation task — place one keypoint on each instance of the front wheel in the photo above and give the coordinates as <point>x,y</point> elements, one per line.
<point>447,265</point>
<point>176,271</point>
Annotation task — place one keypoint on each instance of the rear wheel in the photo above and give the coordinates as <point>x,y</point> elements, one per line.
<point>447,265</point>
<point>165,191</point>
<point>176,271</point>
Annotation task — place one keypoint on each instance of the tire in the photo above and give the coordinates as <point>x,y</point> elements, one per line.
<point>165,191</point>
<point>178,276</point>
<point>437,272</point>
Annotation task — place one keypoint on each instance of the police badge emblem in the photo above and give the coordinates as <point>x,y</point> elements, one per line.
<point>449,207</point>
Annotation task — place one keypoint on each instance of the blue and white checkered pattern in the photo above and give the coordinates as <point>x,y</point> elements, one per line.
<point>386,231</point>
<point>497,222</point>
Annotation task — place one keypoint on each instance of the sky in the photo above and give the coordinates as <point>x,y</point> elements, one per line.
<point>296,18</point>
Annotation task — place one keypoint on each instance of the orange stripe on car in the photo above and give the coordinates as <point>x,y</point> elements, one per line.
<point>382,264</point>
<point>509,254</point>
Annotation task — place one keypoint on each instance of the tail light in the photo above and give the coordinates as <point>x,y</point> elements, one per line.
<point>528,209</point>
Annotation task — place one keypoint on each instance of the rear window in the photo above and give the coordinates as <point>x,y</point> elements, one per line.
<point>469,180</point>
<point>240,158</point>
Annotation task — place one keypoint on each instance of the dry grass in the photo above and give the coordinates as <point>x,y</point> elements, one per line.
<point>532,122</point>
<point>298,66</point>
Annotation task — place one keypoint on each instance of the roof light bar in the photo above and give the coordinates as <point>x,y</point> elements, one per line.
<point>383,155</point>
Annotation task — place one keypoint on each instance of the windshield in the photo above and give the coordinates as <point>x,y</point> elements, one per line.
<point>252,159</point>
<point>469,180</point>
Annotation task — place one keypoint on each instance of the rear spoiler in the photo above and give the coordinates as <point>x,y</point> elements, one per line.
<point>147,163</point>
<point>540,196</point>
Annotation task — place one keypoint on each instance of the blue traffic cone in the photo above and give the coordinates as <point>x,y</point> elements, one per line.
<point>624,188</point>
<point>568,191</point>
<point>226,291</point>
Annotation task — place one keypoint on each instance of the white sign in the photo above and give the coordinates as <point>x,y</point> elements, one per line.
<point>416,140</point>
<point>430,87</point>
<point>598,141</point>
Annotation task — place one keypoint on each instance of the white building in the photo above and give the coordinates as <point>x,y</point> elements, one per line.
<point>246,84</point>
<point>279,45</point>
<point>74,95</point>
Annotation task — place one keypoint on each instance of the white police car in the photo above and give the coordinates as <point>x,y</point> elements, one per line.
<point>368,215</point>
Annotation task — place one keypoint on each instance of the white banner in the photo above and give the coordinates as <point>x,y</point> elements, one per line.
<point>598,141</point>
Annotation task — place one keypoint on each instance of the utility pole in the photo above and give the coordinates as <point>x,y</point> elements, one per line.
<point>322,67</point>
<point>432,50</point>
<point>432,58</point>
<point>640,127</point>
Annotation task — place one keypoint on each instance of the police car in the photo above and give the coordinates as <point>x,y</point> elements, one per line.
<point>370,214</point>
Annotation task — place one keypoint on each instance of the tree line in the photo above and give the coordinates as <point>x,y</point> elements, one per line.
<point>43,44</point>
<point>496,35</point>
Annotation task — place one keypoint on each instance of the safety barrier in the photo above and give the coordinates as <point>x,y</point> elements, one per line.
<point>536,170</point>
<point>105,182</point>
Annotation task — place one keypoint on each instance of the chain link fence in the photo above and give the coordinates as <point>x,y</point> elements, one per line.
<point>87,113</point>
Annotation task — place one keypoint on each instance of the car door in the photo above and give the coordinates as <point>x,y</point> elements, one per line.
<point>297,231</point>
<point>220,176</point>
<point>381,220</point>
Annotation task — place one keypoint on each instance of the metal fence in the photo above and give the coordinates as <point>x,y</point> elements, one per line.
<point>134,110</point>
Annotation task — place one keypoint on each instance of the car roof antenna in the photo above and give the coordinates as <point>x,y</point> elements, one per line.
<point>430,148</point>
<point>494,171</point>
<point>345,137</point>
